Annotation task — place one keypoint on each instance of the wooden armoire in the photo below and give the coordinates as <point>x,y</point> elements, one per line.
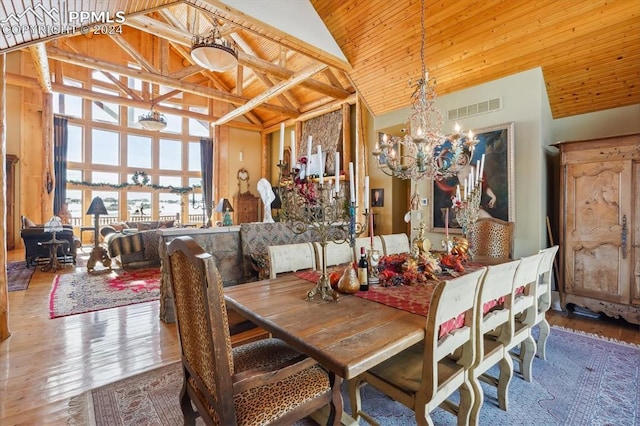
<point>600,225</point>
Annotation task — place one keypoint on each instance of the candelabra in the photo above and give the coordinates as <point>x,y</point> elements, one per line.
<point>467,210</point>
<point>322,208</point>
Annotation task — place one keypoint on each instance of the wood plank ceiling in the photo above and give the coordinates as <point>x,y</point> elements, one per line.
<point>589,52</point>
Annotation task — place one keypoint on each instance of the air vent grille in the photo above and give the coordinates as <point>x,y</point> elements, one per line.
<point>474,109</point>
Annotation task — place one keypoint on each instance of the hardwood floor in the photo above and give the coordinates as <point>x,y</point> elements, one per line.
<point>46,361</point>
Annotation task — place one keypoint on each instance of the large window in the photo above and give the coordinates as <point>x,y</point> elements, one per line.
<point>107,147</point>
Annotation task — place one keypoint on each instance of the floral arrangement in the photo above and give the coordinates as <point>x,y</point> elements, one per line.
<point>403,269</point>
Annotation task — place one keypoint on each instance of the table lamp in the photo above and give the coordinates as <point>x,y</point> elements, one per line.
<point>53,225</point>
<point>98,254</point>
<point>224,206</point>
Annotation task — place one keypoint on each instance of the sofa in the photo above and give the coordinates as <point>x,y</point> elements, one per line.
<point>134,244</point>
<point>34,234</point>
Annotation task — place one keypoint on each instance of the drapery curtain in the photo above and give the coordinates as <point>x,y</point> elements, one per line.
<point>60,141</point>
<point>206,159</point>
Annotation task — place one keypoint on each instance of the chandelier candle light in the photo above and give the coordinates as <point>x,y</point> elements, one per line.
<point>311,204</point>
<point>424,152</point>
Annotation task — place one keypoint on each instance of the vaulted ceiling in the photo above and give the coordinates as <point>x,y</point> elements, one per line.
<point>589,52</point>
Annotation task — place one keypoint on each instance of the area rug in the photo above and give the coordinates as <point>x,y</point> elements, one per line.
<point>585,381</point>
<point>18,276</point>
<point>83,292</point>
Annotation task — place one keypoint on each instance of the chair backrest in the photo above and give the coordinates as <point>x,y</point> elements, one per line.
<point>492,237</point>
<point>524,288</point>
<point>203,326</point>
<point>545,274</point>
<point>496,287</point>
<point>451,299</point>
<point>395,243</point>
<point>366,243</point>
<point>291,258</point>
<point>337,253</point>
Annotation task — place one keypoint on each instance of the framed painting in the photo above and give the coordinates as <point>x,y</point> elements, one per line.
<point>497,144</point>
<point>377,197</point>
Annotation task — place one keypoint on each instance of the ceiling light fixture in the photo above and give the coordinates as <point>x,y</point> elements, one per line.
<point>153,120</point>
<point>423,152</point>
<point>214,52</point>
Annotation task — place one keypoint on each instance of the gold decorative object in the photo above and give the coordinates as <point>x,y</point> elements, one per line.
<point>349,283</point>
<point>467,211</point>
<point>323,208</point>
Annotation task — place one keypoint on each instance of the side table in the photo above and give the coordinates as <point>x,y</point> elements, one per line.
<point>53,245</point>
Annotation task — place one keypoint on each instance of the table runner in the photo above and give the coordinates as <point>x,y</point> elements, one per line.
<point>414,299</point>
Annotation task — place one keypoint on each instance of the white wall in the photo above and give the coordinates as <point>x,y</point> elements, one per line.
<point>524,102</point>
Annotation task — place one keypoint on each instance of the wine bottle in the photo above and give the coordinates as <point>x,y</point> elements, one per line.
<point>363,270</point>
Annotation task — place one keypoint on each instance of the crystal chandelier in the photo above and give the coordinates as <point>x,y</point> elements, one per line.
<point>214,52</point>
<point>424,152</point>
<point>153,120</point>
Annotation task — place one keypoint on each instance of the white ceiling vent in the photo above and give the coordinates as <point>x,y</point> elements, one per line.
<point>474,109</point>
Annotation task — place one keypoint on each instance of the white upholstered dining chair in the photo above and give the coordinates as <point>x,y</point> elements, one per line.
<point>522,305</point>
<point>337,253</point>
<point>395,243</point>
<point>366,243</point>
<point>543,298</point>
<point>493,314</point>
<point>423,376</point>
<point>291,258</point>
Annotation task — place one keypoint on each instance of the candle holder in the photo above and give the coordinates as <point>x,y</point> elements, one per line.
<point>467,211</point>
<point>309,204</point>
<point>374,259</point>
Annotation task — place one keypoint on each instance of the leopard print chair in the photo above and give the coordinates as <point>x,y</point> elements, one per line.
<point>260,383</point>
<point>491,237</point>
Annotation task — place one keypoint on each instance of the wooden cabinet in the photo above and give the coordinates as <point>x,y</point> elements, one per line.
<point>247,207</point>
<point>600,225</point>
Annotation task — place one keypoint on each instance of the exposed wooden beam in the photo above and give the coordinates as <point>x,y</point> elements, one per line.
<point>186,72</point>
<point>160,29</point>
<point>133,52</point>
<point>260,65</point>
<point>283,86</point>
<point>23,81</point>
<point>251,24</point>
<point>181,37</point>
<point>88,62</point>
<point>39,56</point>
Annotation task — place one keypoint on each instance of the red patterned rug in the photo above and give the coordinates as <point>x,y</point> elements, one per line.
<point>83,292</point>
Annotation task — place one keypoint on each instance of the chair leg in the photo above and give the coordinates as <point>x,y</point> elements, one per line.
<point>545,329</point>
<point>474,415</point>
<point>467,401</point>
<point>527,353</point>
<point>188,412</point>
<point>506,373</point>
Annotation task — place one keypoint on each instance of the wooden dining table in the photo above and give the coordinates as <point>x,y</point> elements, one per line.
<point>346,337</point>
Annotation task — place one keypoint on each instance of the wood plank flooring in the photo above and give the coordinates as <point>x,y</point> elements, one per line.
<point>46,361</point>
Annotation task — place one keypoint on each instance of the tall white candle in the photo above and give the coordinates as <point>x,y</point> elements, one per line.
<point>466,188</point>
<point>352,190</point>
<point>482,166</point>
<point>337,167</point>
<point>294,159</point>
<point>321,165</point>
<point>477,171</point>
<point>366,193</point>
<point>471,181</point>
<point>281,150</point>
<point>309,142</point>
<point>458,192</point>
